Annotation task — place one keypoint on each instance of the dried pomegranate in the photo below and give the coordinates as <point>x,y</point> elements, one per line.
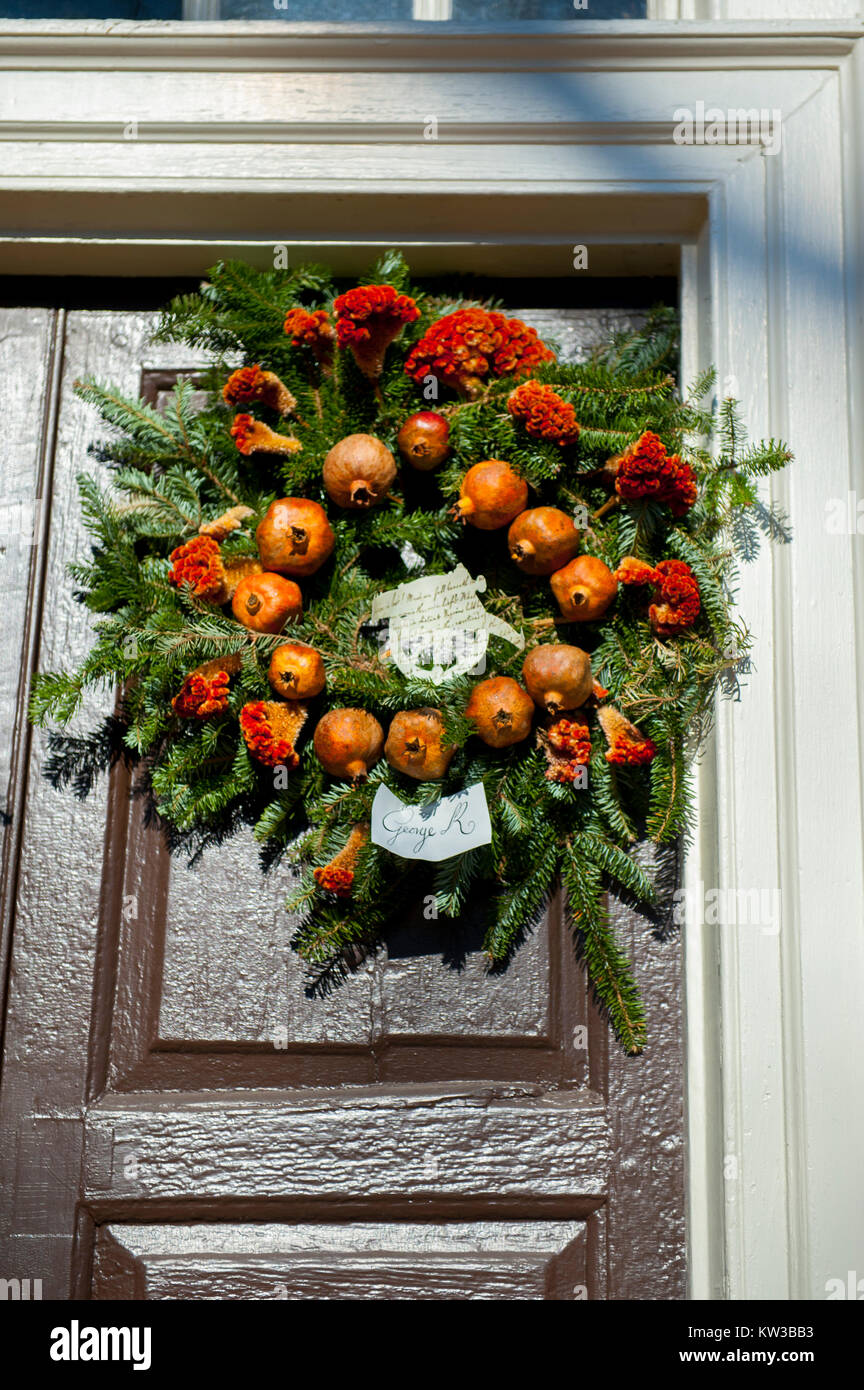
<point>265,602</point>
<point>358,471</point>
<point>348,742</point>
<point>295,537</point>
<point>414,745</point>
<point>491,495</point>
<point>501,711</point>
<point>558,677</point>
<point>584,589</point>
<point>542,540</point>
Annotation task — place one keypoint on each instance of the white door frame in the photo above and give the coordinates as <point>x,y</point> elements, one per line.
<point>157,148</point>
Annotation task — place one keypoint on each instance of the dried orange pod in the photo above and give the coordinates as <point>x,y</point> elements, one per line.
<point>270,730</point>
<point>338,876</point>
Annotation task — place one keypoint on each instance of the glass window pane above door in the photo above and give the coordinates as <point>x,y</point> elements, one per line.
<point>91,9</point>
<point>457,11</point>
<point>475,12</point>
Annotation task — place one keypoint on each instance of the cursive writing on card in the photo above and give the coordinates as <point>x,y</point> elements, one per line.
<point>447,827</point>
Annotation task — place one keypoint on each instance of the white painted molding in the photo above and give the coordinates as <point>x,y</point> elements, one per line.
<point>255,134</point>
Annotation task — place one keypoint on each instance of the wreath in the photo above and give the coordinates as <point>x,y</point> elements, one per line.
<point>402,552</point>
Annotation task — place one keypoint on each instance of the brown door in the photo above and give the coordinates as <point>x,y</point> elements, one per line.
<point>180,1117</point>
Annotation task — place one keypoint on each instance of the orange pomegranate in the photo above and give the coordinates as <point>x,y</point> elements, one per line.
<point>501,711</point>
<point>358,472</point>
<point>295,537</point>
<point>414,745</point>
<point>558,677</point>
<point>296,671</point>
<point>348,742</point>
<point>491,495</point>
<point>423,440</point>
<point>265,602</point>
<point>584,589</point>
<point>542,540</point>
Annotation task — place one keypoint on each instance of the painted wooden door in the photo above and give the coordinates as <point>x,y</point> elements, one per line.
<point>180,1118</point>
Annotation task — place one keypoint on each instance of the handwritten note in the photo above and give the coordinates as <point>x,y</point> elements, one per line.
<point>446,828</point>
<point>437,627</point>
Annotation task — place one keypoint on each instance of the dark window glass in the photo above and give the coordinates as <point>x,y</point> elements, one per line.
<point>516,11</point>
<point>91,9</point>
<point>325,11</point>
<point>463,11</point>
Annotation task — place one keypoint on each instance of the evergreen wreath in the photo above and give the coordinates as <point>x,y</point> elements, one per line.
<point>237,553</point>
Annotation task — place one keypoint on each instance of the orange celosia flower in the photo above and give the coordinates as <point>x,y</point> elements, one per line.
<point>226,522</point>
<point>463,348</point>
<point>567,745</point>
<point>678,598</point>
<point>675,589</point>
<point>200,696</point>
<point>314,331</point>
<point>338,876</point>
<point>368,318</point>
<point>544,413</point>
<point>205,690</point>
<point>253,384</point>
<point>252,437</point>
<point>198,563</point>
<point>646,470</point>
<point>633,571</point>
<point>270,731</point>
<point>626,744</point>
<point>566,736</point>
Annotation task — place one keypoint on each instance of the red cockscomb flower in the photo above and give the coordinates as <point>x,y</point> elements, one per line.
<point>544,413</point>
<point>338,876</point>
<point>312,329</point>
<point>270,731</point>
<point>198,563</point>
<point>566,736</point>
<point>462,349</point>
<point>627,746</point>
<point>253,384</point>
<point>368,318</point>
<point>676,592</point>
<point>633,571</point>
<point>521,350</point>
<point>201,696</point>
<point>568,750</point>
<point>645,469</point>
<point>205,690</point>
<point>678,602</point>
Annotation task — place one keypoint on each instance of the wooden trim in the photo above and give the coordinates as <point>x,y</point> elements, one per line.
<point>225,46</point>
<point>29,577</point>
<point>772,280</point>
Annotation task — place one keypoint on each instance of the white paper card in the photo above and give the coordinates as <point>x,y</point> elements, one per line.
<point>437,627</point>
<point>448,827</point>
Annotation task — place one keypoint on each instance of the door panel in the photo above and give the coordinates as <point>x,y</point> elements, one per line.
<point>360,1260</point>
<point>183,1118</point>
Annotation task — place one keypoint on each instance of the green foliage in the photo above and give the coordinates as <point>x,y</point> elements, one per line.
<point>173,471</point>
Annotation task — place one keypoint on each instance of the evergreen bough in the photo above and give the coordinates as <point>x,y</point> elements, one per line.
<point>174,469</point>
